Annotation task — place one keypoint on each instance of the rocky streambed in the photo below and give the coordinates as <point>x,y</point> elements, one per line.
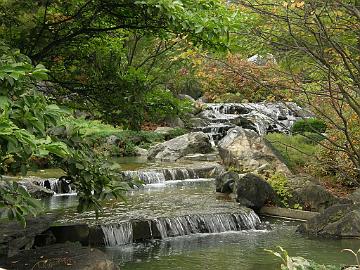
<point>179,198</point>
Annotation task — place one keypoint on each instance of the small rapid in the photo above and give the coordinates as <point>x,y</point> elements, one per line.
<point>122,233</point>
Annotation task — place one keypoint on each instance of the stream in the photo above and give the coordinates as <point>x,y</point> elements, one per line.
<point>178,221</point>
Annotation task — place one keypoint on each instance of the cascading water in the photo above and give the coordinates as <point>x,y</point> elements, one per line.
<point>122,233</point>
<point>161,175</point>
<point>206,223</point>
<point>59,186</point>
<point>117,234</point>
<point>261,117</point>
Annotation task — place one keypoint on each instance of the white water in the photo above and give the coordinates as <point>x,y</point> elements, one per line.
<point>118,234</point>
<point>122,233</point>
<point>161,175</point>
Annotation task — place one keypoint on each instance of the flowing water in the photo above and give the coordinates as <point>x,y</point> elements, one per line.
<point>231,250</point>
<point>179,209</point>
<point>188,225</point>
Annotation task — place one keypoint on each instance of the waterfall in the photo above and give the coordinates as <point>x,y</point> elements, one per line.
<point>148,177</point>
<point>59,186</point>
<point>206,223</point>
<point>118,234</point>
<point>162,175</point>
<point>122,233</point>
<point>261,117</point>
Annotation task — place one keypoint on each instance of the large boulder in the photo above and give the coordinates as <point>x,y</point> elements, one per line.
<point>247,151</point>
<point>172,150</point>
<point>337,221</point>
<point>310,194</point>
<point>37,191</point>
<point>254,192</point>
<point>174,122</point>
<point>71,256</point>
<point>14,237</point>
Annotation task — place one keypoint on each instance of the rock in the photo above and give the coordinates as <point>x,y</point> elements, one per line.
<point>202,157</point>
<point>243,122</point>
<point>164,130</point>
<point>225,182</point>
<point>172,150</point>
<point>186,97</point>
<point>202,99</point>
<point>262,60</point>
<point>36,191</point>
<point>141,152</point>
<point>175,122</point>
<point>112,140</point>
<point>14,237</point>
<point>287,213</point>
<point>247,151</point>
<point>254,192</point>
<point>355,196</point>
<point>337,221</point>
<point>71,256</point>
<point>195,122</point>
<point>309,194</point>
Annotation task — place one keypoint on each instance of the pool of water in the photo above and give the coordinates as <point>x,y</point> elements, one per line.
<point>172,198</point>
<point>231,250</point>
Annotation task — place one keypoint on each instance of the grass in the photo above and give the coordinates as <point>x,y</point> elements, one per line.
<point>297,150</point>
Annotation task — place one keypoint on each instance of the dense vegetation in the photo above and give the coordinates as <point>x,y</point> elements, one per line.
<point>120,64</point>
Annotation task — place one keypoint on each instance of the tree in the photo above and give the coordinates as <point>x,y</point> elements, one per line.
<point>317,44</point>
<point>28,124</point>
<point>105,48</point>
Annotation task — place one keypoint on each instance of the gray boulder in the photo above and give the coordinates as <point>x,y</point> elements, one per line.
<point>14,237</point>
<point>172,150</point>
<point>175,122</point>
<point>247,151</point>
<point>37,191</point>
<point>309,194</point>
<point>226,181</point>
<point>337,221</point>
<point>186,97</point>
<point>141,152</point>
<point>254,192</point>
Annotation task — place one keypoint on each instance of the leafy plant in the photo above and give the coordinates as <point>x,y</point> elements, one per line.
<point>161,104</point>
<point>30,128</point>
<point>279,183</point>
<point>298,263</point>
<point>312,125</point>
<point>356,255</point>
<point>16,202</point>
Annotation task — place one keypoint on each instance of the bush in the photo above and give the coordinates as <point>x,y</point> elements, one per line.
<point>279,183</point>
<point>313,125</point>
<point>161,104</point>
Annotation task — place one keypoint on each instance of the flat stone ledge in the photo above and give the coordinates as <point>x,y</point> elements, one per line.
<point>287,213</point>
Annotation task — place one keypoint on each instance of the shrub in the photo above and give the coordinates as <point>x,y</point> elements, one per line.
<point>279,183</point>
<point>161,104</point>
<point>313,125</point>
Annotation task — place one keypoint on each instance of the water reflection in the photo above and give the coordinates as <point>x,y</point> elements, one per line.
<point>231,250</point>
